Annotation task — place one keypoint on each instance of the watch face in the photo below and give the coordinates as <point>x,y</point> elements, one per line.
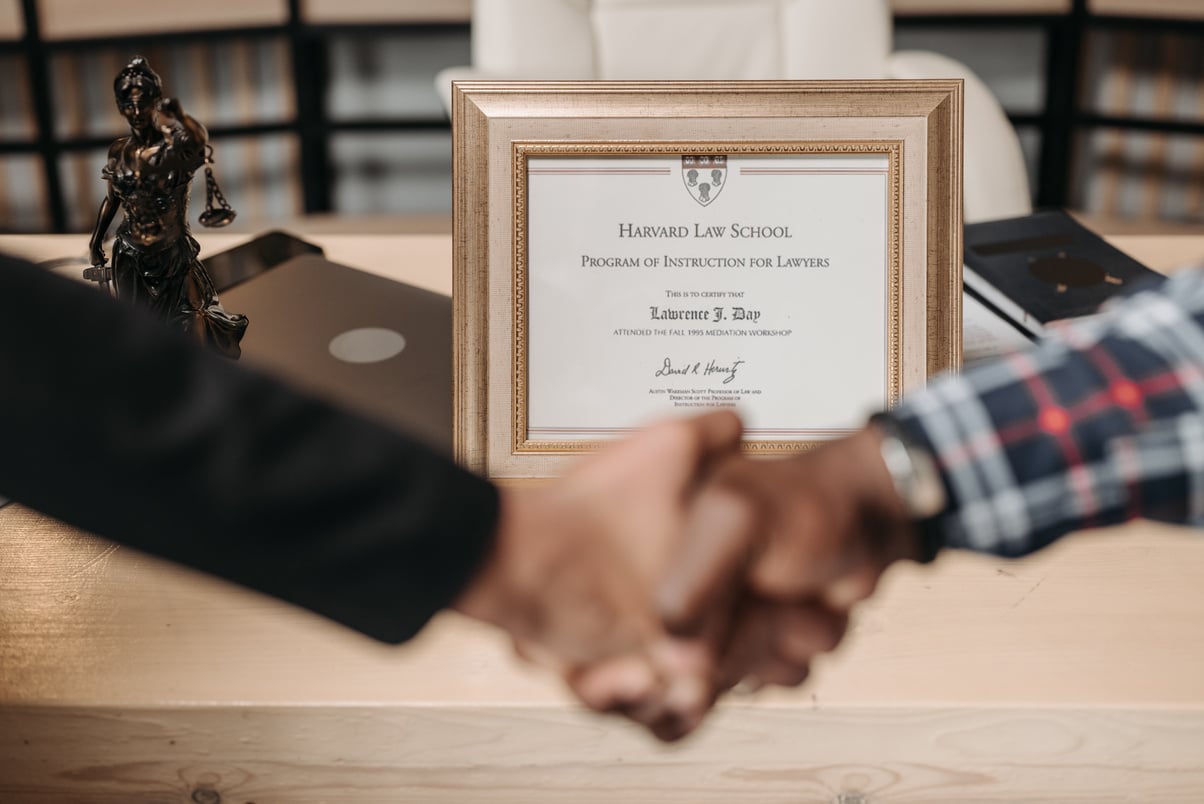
<point>928,493</point>
<point>913,472</point>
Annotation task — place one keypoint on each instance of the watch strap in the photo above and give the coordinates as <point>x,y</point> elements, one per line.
<point>913,471</point>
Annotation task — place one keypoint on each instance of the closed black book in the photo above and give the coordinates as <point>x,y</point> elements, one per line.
<point>1045,267</point>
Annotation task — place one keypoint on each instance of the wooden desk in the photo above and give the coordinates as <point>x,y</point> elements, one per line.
<point>1077,675</point>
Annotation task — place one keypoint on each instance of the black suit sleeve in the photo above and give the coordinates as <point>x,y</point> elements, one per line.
<point>113,423</point>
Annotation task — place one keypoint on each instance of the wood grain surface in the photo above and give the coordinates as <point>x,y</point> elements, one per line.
<point>1076,675</point>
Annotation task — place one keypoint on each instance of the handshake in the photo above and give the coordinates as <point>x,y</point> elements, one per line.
<point>666,569</point>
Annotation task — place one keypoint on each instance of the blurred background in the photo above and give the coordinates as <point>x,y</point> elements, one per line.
<point>326,109</point>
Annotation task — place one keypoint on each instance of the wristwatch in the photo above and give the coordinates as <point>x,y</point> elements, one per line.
<point>912,469</point>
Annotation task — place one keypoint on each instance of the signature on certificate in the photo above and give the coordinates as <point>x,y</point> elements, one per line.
<point>699,367</point>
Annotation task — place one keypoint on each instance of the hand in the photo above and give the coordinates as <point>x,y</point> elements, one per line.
<point>172,124</point>
<point>759,643</point>
<point>170,107</point>
<point>573,572</point>
<point>816,532</point>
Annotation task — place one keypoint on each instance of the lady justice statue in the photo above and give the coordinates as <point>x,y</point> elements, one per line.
<point>149,173</point>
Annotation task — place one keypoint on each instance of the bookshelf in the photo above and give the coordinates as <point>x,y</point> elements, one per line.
<point>277,83</point>
<point>327,106</point>
<point>1118,131</point>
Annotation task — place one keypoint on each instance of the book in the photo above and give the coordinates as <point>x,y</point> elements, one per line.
<point>987,334</point>
<point>1044,267</point>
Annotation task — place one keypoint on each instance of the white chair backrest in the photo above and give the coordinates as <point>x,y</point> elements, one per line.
<point>682,39</point>
<point>544,39</point>
<point>739,39</point>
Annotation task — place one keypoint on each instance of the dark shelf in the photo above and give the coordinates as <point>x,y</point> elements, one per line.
<point>1060,123</point>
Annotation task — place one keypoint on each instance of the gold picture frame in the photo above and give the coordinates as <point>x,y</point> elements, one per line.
<point>544,173</point>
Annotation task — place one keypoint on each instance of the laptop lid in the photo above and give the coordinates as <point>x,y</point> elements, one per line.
<point>369,343</point>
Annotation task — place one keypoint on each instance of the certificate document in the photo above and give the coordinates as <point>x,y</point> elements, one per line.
<point>659,284</point>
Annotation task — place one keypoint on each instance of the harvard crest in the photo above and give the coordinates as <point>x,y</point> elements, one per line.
<point>704,175</point>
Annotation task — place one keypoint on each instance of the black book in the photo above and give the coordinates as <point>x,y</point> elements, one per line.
<point>1045,267</point>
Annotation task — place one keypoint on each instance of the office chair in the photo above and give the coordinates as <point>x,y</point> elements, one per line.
<point>739,39</point>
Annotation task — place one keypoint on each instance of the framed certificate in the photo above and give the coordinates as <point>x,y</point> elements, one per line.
<point>625,252</point>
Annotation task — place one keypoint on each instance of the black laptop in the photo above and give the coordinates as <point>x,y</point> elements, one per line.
<point>369,343</point>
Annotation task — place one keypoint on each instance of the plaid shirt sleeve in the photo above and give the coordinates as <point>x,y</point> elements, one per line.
<point>1101,422</point>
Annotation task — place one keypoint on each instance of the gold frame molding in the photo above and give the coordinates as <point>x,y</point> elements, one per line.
<point>523,151</point>
<point>498,126</point>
